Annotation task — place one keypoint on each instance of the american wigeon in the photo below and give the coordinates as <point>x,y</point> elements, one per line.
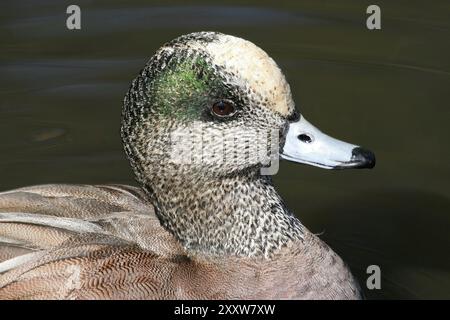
<point>207,222</point>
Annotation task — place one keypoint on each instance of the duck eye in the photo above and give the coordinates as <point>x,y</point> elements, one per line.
<point>223,108</point>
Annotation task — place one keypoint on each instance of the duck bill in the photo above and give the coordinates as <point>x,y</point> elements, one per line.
<point>306,144</point>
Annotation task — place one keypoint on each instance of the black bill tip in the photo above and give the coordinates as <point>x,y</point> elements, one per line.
<point>363,158</point>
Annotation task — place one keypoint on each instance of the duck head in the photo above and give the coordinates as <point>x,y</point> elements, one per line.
<point>200,121</point>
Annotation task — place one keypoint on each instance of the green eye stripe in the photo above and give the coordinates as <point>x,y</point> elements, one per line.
<point>184,88</point>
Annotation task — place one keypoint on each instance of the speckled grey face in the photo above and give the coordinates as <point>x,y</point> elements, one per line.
<point>215,104</point>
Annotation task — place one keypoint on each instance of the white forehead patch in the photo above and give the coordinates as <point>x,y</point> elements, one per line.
<point>254,67</point>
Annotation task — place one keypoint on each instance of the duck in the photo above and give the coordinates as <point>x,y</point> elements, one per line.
<point>203,126</point>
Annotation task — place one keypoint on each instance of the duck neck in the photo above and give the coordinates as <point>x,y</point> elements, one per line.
<point>237,215</point>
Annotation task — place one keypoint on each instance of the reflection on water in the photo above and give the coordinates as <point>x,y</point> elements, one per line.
<point>61,94</point>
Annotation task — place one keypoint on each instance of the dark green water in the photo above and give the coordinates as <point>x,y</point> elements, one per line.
<point>61,94</point>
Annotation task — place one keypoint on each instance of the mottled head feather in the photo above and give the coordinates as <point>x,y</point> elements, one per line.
<point>252,67</point>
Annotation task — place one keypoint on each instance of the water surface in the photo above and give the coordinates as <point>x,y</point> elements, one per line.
<point>61,93</point>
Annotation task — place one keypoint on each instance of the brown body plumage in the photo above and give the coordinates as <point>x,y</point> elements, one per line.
<point>131,256</point>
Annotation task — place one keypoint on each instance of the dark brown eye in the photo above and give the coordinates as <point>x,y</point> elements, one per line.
<point>223,108</point>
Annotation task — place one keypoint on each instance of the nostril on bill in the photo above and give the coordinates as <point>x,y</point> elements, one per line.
<point>304,138</point>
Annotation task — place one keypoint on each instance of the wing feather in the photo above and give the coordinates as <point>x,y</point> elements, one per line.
<point>79,241</point>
